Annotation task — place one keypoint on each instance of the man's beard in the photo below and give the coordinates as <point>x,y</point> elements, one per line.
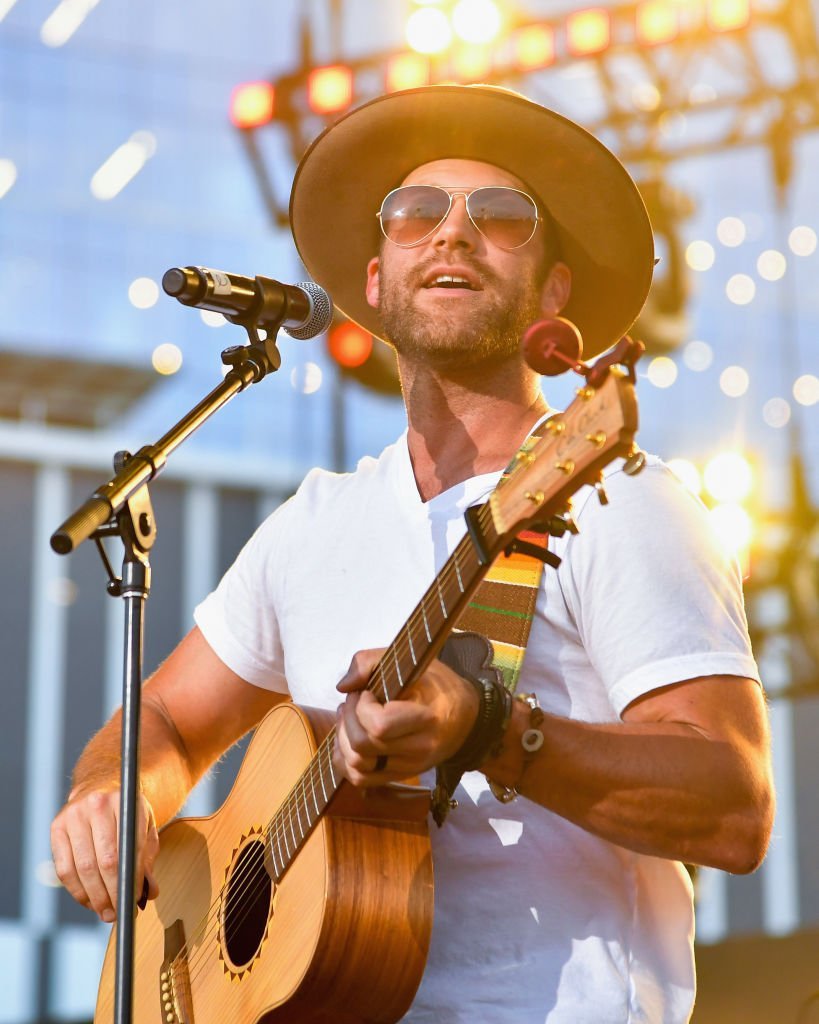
<point>448,340</point>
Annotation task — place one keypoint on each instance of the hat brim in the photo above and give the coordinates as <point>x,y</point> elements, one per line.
<point>603,229</point>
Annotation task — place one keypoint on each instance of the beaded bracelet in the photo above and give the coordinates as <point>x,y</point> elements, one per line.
<point>531,740</point>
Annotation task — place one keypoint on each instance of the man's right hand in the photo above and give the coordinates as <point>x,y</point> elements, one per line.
<point>84,847</point>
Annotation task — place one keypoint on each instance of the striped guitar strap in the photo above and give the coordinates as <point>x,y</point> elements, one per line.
<point>503,606</point>
<point>501,611</point>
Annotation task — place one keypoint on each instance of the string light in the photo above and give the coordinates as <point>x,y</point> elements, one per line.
<point>700,255</point>
<point>740,289</point>
<point>143,292</point>
<point>776,412</point>
<point>698,355</point>
<point>731,231</point>
<point>167,359</point>
<point>771,265</point>
<point>734,381</point>
<point>806,389</point>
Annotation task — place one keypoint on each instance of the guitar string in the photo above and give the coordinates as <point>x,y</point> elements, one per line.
<point>254,873</point>
<point>285,814</point>
<point>251,873</point>
<point>484,517</point>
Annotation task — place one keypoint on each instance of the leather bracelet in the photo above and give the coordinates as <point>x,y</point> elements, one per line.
<point>494,712</point>
<point>531,740</point>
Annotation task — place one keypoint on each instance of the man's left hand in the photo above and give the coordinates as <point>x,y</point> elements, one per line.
<point>425,727</point>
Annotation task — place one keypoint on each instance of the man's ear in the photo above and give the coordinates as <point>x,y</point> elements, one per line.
<point>372,291</point>
<point>556,290</point>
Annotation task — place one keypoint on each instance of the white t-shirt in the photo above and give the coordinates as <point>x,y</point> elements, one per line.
<point>536,920</point>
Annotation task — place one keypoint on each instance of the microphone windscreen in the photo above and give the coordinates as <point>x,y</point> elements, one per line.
<point>552,346</point>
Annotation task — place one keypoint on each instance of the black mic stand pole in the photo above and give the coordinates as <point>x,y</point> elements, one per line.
<point>122,507</point>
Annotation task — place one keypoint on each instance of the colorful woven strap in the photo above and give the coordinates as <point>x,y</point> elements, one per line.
<point>503,606</point>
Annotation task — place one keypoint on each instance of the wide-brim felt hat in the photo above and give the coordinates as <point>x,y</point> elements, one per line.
<point>601,222</point>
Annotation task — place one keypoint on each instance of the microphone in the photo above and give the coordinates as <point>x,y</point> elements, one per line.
<point>552,346</point>
<point>304,309</point>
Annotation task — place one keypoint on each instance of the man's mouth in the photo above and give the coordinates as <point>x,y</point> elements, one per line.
<point>451,282</point>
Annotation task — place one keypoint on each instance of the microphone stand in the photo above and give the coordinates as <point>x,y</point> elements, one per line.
<point>122,508</point>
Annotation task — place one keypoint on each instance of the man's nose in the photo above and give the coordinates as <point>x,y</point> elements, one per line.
<point>457,231</point>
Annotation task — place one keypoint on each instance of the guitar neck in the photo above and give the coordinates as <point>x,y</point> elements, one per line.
<point>417,643</point>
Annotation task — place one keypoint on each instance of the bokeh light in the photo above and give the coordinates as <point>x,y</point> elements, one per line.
<point>428,30</point>
<point>806,389</point>
<point>740,289</point>
<point>733,526</point>
<point>143,292</point>
<point>728,477</point>
<point>771,265</point>
<point>698,355</point>
<point>662,372</point>
<point>167,358</point>
<point>700,255</point>
<point>731,231</point>
<point>306,378</point>
<point>8,175</point>
<point>734,381</point>
<point>776,412</point>
<point>476,21</point>
<point>687,472</point>
<point>802,241</point>
<point>212,318</point>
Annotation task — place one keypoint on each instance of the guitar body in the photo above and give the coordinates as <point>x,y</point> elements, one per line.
<point>342,937</point>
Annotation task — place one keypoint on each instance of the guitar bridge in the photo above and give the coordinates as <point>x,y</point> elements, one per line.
<point>174,978</point>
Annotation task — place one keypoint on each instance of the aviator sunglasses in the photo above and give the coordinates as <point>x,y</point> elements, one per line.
<point>505,216</point>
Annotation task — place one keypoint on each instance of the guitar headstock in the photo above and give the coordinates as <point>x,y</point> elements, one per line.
<point>598,426</point>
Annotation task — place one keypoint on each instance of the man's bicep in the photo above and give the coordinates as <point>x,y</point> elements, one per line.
<point>728,708</point>
<point>206,703</point>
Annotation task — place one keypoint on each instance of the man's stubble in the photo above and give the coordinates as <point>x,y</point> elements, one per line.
<point>449,340</point>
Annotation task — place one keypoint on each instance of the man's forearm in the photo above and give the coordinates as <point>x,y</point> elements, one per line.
<point>660,788</point>
<point>165,775</point>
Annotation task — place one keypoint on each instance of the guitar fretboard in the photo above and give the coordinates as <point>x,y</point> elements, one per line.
<point>417,643</point>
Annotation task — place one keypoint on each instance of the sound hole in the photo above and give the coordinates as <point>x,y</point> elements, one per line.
<point>247,905</point>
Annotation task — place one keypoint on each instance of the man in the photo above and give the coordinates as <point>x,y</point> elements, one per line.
<point>570,905</point>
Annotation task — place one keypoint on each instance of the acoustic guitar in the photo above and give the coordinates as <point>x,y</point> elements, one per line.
<point>304,900</point>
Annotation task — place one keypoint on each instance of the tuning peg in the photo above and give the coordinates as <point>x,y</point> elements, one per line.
<point>634,462</point>
<point>599,486</point>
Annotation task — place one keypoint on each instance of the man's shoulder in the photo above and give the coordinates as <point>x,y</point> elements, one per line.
<point>321,486</point>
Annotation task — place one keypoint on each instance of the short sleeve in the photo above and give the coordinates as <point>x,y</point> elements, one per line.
<point>238,619</point>
<point>655,599</point>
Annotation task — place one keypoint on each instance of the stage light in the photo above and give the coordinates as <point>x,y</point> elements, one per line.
<point>406,71</point>
<point>734,381</point>
<point>802,241</point>
<point>771,265</point>
<point>699,255</point>
<point>687,472</point>
<point>588,32</point>
<point>252,104</point>
<point>8,175</point>
<point>656,22</point>
<point>143,292</point>
<point>428,31</point>
<point>806,389</point>
<point>330,89</point>
<point>740,289</point>
<point>729,477</point>
<point>349,345</point>
<point>306,379</point>
<point>776,412</point>
<point>476,21</point>
<point>733,527</point>
<point>166,359</point>
<point>662,372</point>
<point>471,62</point>
<point>698,355</point>
<point>533,47</point>
<point>122,165</point>
<point>731,231</point>
<point>728,15</point>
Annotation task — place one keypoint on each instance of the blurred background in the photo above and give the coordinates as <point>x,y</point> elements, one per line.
<point>139,137</point>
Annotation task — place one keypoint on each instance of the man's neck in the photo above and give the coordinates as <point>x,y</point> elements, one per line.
<point>466,423</point>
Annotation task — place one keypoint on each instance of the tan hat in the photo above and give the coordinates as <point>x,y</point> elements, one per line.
<point>602,225</point>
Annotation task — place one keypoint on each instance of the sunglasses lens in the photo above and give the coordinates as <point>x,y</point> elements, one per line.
<point>412,212</point>
<point>508,218</point>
